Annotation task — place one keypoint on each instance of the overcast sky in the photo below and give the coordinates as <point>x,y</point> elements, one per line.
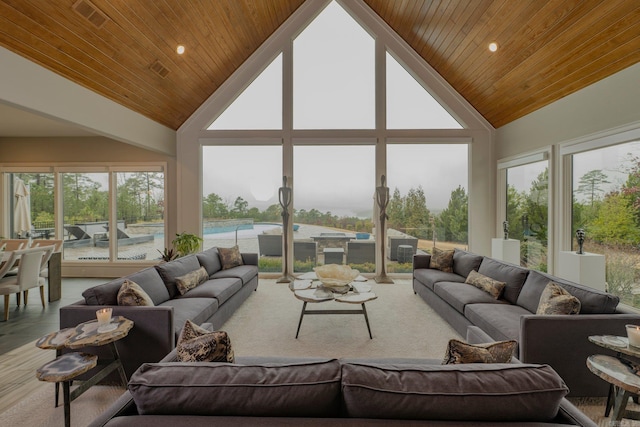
<point>334,88</point>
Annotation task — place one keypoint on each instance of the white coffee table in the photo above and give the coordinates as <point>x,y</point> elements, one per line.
<point>360,295</point>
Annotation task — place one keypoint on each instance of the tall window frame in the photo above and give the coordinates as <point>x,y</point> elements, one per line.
<point>111,233</point>
<point>475,130</point>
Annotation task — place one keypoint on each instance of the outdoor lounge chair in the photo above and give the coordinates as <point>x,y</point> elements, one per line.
<point>77,232</point>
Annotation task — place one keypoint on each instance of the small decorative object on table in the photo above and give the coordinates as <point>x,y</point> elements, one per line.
<point>104,320</point>
<point>505,229</point>
<point>336,278</point>
<point>580,234</point>
<point>633,333</point>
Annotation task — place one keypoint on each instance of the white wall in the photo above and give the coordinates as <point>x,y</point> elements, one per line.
<point>610,103</point>
<point>31,87</point>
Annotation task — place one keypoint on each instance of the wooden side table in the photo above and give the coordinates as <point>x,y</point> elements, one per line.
<point>64,368</point>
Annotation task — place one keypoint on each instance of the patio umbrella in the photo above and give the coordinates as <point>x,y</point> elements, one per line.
<point>22,210</point>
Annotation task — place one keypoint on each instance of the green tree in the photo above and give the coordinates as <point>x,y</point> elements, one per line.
<point>240,207</point>
<point>515,212</point>
<point>590,185</point>
<point>615,223</point>
<point>214,207</point>
<point>395,210</point>
<point>455,219</point>
<point>536,206</point>
<point>416,213</point>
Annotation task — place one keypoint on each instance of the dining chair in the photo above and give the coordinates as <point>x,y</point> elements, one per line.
<point>46,242</point>
<point>14,244</point>
<point>28,276</point>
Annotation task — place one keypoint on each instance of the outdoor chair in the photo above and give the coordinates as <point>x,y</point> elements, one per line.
<point>361,252</point>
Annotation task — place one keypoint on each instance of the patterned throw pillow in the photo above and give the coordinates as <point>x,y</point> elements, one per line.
<point>131,293</point>
<point>495,352</point>
<point>230,257</point>
<point>191,280</point>
<point>491,286</point>
<point>196,344</point>
<point>442,260</point>
<point>556,300</point>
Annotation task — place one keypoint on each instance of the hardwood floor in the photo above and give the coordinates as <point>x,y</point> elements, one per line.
<point>19,358</point>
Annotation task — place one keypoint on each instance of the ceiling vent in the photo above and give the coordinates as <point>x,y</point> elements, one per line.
<point>91,13</point>
<point>159,69</point>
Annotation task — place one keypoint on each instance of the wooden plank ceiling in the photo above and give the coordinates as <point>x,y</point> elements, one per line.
<point>547,48</point>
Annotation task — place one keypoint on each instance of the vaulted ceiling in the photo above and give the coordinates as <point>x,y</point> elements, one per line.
<point>125,50</point>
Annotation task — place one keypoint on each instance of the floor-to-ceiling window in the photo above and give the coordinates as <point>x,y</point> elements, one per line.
<point>606,205</point>
<point>84,218</point>
<point>527,211</point>
<point>330,103</point>
<point>240,201</point>
<point>429,198</point>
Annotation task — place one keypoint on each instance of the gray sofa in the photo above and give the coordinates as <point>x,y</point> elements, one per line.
<point>558,340</point>
<point>270,391</point>
<point>156,328</point>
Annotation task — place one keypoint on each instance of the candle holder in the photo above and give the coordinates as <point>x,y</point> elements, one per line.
<point>104,320</point>
<point>633,333</point>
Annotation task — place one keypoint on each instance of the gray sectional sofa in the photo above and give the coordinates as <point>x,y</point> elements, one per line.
<point>270,391</point>
<point>156,328</point>
<point>558,340</point>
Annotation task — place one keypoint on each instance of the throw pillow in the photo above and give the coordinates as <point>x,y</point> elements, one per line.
<point>230,257</point>
<point>495,352</point>
<point>442,260</point>
<point>491,286</point>
<point>191,280</point>
<point>556,300</point>
<point>131,293</point>
<point>196,344</point>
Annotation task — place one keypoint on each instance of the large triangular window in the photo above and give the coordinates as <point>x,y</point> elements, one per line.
<point>259,106</point>
<point>409,105</point>
<point>333,73</point>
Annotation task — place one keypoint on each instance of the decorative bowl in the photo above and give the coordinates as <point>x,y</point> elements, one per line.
<point>336,276</point>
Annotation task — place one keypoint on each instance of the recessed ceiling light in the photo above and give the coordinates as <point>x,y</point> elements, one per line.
<point>180,49</point>
<point>493,46</point>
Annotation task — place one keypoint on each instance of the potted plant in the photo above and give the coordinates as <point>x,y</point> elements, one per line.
<point>168,254</point>
<point>186,243</point>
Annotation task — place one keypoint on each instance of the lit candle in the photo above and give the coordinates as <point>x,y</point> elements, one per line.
<point>633,333</point>
<point>104,316</point>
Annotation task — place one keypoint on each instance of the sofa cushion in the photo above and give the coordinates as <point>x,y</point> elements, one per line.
<point>220,289</point>
<point>196,344</point>
<point>500,321</point>
<point>479,392</point>
<point>458,295</point>
<point>191,280</point>
<point>132,294</point>
<point>230,257</point>
<point>486,284</point>
<point>169,271</point>
<point>555,300</point>
<point>151,282</point>
<point>512,275</point>
<point>105,294</point>
<point>442,260</point>
<point>242,272</point>
<point>464,262</point>
<point>430,276</point>
<point>210,260</point>
<point>592,301</point>
<point>198,310</point>
<point>493,352</point>
<point>304,389</point>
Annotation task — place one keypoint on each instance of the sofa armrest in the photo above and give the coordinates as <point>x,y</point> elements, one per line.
<point>150,339</point>
<point>421,261</point>
<point>125,405</point>
<point>562,341</point>
<point>250,258</point>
